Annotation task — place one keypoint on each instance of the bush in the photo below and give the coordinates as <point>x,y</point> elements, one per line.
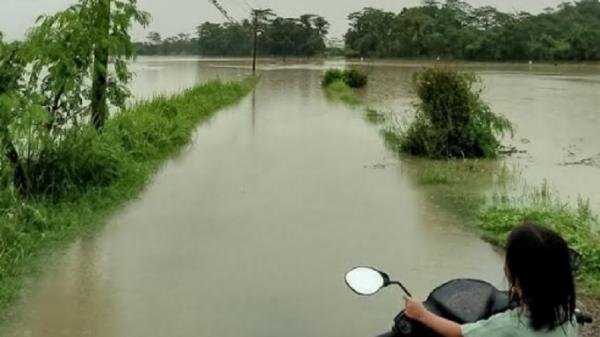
<point>81,160</point>
<point>451,120</point>
<point>331,76</point>
<point>355,78</point>
<point>352,78</point>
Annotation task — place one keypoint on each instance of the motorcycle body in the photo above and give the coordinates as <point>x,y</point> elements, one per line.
<point>461,301</point>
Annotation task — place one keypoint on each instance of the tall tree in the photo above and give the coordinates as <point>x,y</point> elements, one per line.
<point>59,77</point>
<point>100,72</point>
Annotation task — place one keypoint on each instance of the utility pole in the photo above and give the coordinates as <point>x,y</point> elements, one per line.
<point>257,16</point>
<point>255,13</point>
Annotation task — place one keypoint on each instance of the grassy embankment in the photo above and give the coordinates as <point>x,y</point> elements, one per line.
<point>90,174</point>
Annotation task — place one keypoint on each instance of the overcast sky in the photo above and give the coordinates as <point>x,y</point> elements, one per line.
<point>175,16</point>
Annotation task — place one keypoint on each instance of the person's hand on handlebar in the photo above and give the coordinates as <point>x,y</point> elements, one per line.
<point>415,310</point>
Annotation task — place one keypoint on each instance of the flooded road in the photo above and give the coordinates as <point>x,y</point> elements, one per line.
<point>249,231</point>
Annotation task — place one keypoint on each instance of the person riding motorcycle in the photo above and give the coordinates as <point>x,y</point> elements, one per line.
<point>539,268</point>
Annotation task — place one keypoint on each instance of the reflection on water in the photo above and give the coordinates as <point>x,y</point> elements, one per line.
<point>250,231</point>
<point>75,299</point>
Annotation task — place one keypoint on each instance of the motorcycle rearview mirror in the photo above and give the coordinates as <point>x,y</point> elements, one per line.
<point>367,281</point>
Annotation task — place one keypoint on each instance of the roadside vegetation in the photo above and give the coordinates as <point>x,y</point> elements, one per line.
<point>576,223</point>
<point>89,174</point>
<point>65,162</point>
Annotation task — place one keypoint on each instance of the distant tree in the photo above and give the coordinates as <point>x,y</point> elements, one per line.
<point>154,38</point>
<point>454,29</point>
<point>303,36</point>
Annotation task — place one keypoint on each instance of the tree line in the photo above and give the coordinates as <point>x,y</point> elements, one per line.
<point>456,30</point>
<point>278,36</point>
<point>452,29</point>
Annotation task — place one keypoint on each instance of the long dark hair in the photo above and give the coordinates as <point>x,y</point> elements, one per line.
<point>538,265</point>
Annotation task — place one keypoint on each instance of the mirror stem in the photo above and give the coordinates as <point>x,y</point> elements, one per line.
<point>401,286</point>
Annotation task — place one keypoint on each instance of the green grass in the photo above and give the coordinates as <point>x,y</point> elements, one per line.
<point>340,91</point>
<point>576,223</point>
<point>94,174</point>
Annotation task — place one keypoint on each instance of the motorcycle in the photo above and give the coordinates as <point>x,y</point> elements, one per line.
<point>461,301</point>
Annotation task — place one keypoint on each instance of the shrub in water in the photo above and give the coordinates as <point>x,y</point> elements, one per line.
<point>452,121</point>
<point>331,76</point>
<point>352,78</point>
<point>355,78</point>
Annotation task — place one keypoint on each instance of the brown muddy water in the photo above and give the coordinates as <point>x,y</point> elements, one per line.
<point>250,230</point>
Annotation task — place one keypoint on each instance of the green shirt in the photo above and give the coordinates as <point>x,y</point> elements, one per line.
<point>514,323</point>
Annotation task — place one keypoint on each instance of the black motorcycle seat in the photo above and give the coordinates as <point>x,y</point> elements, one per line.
<point>467,300</point>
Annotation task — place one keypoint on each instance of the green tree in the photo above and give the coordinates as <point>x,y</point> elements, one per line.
<point>454,29</point>
<point>73,48</point>
<point>59,79</point>
<point>303,36</point>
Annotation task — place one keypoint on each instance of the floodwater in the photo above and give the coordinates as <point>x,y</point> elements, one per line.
<point>250,230</point>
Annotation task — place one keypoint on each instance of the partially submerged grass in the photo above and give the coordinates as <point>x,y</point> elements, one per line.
<point>459,186</point>
<point>577,224</point>
<point>340,91</point>
<point>466,187</point>
<point>133,146</point>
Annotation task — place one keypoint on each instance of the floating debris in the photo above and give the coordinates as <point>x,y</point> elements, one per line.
<point>593,161</point>
<point>510,150</point>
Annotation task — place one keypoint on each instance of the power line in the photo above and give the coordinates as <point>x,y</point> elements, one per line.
<point>248,4</point>
<point>222,10</point>
<point>260,3</point>
<point>240,9</point>
<point>242,5</point>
